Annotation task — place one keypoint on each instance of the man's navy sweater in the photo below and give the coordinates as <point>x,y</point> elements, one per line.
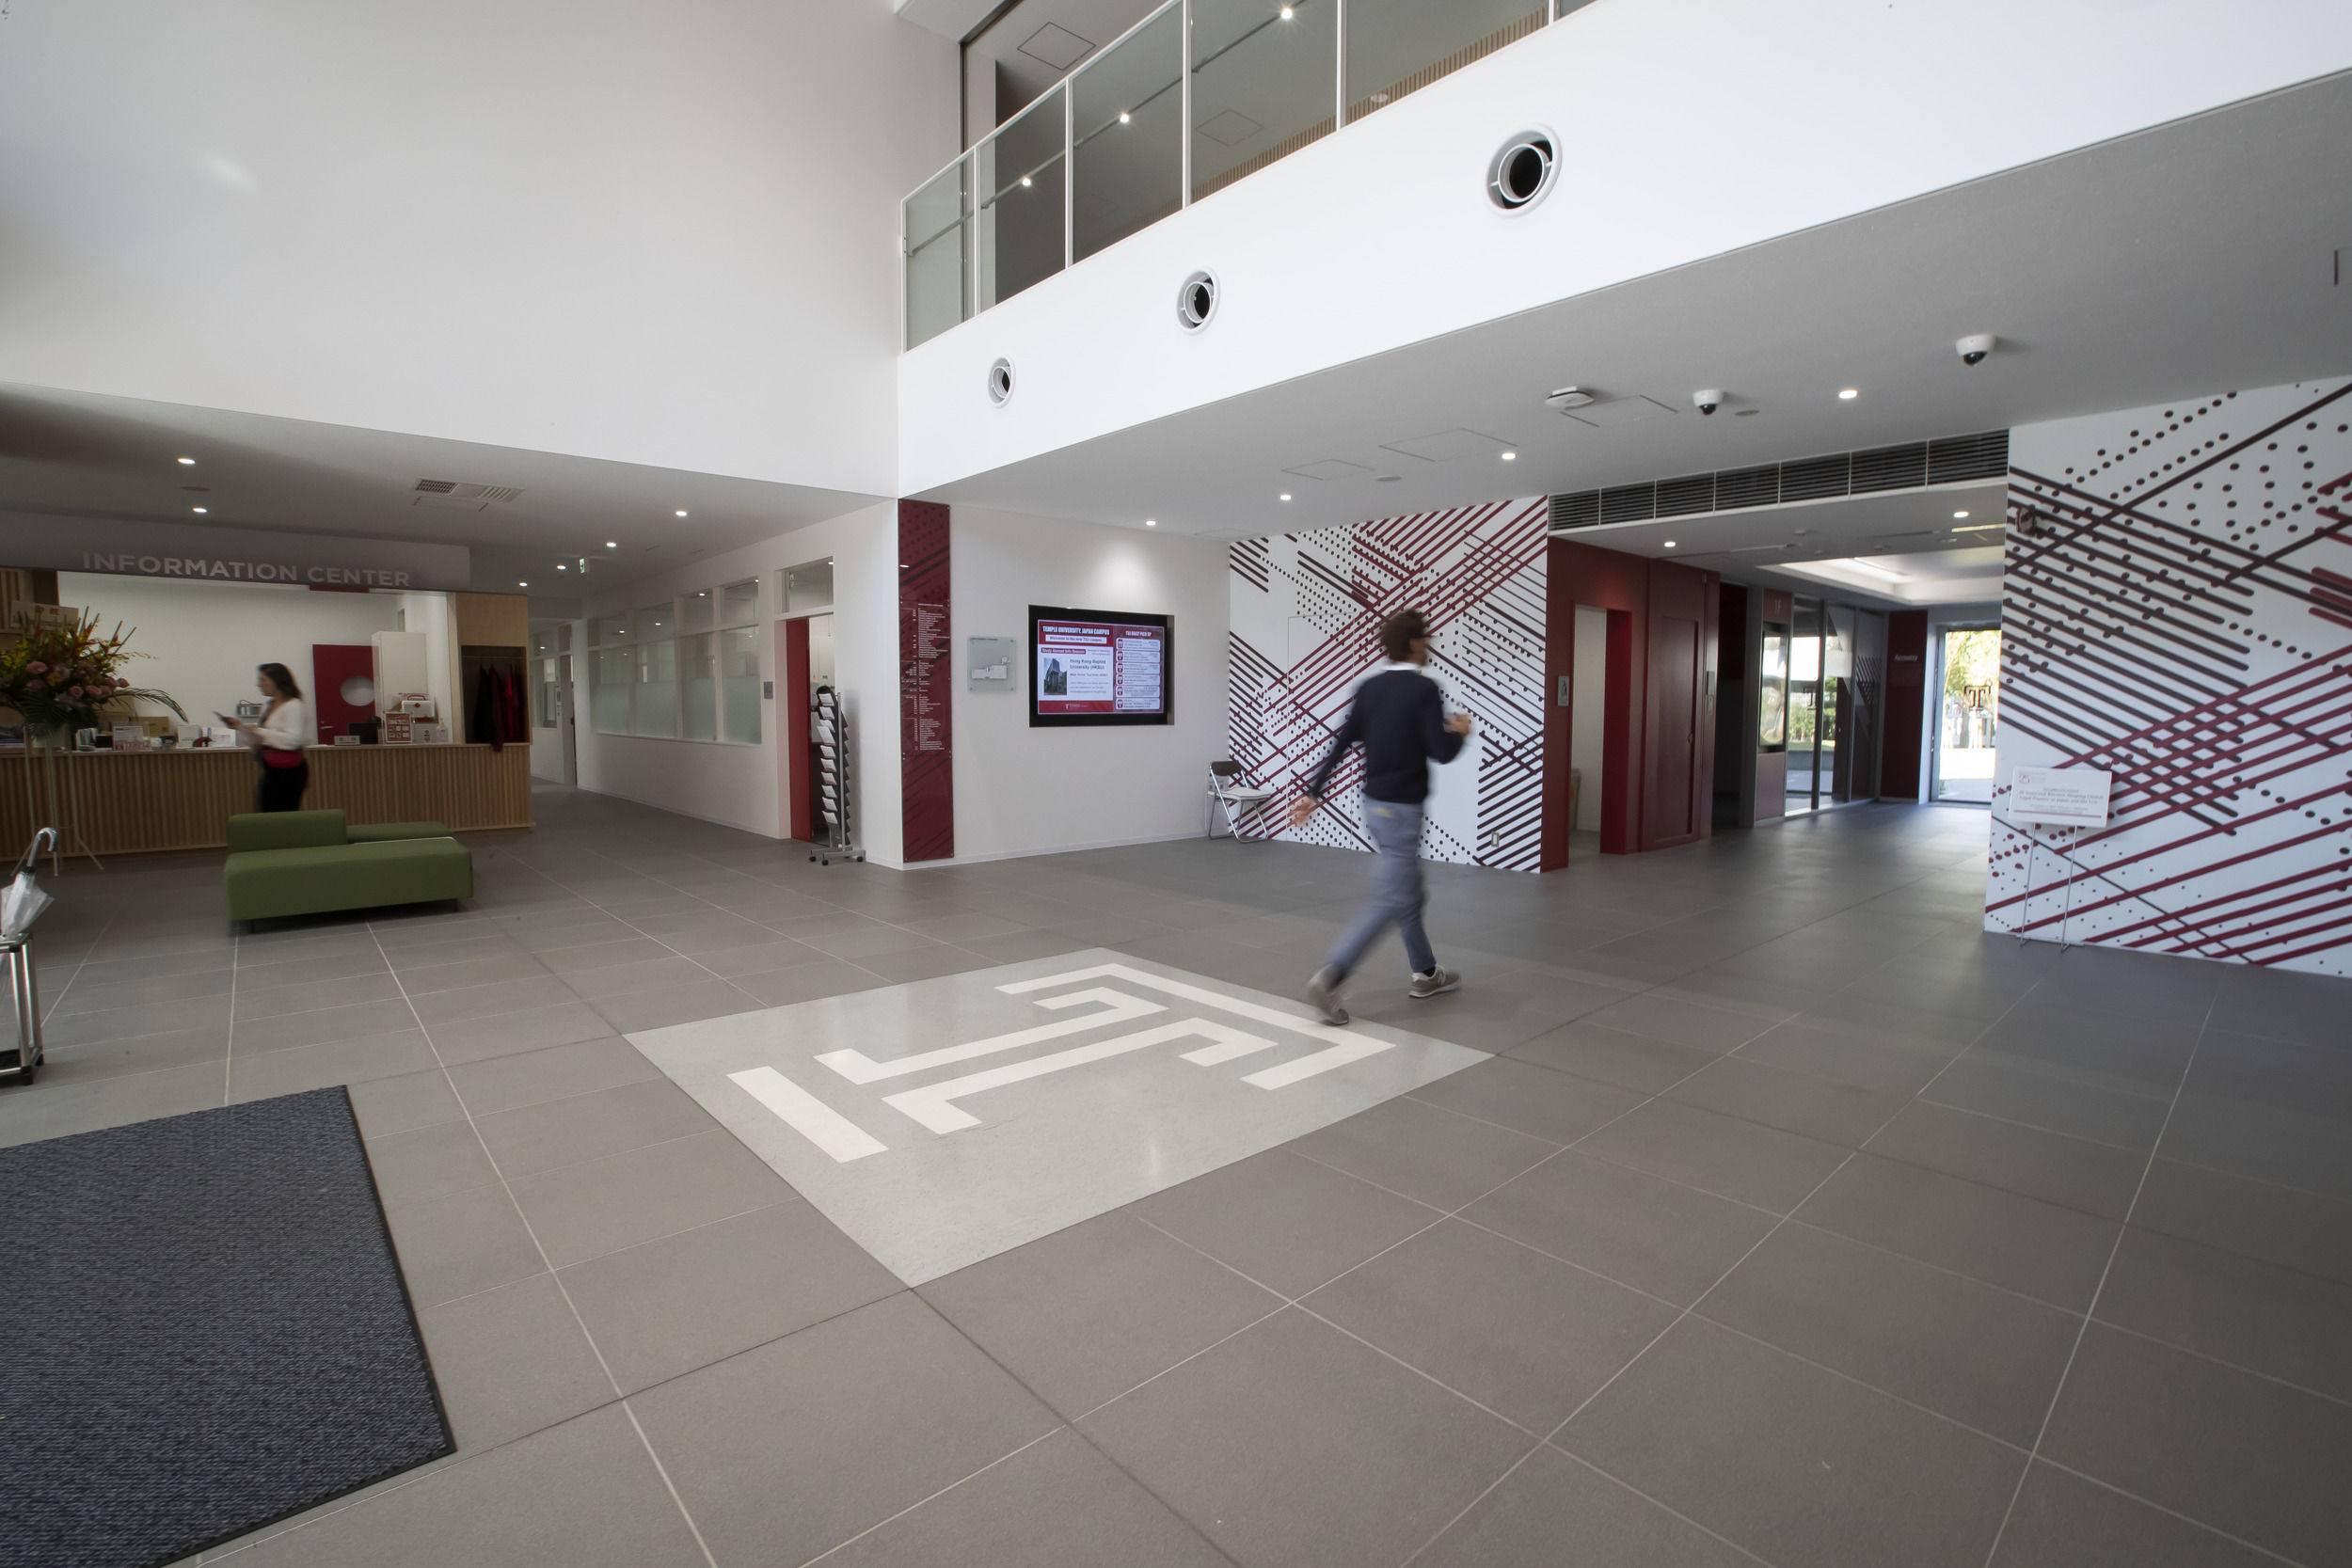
<point>1399,720</point>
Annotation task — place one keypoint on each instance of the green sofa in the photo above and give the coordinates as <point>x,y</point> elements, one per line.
<point>310,863</point>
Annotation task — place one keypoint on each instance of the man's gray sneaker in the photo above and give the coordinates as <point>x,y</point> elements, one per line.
<point>1323,994</point>
<point>1435,983</point>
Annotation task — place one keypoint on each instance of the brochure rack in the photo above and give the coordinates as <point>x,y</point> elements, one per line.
<point>835,839</point>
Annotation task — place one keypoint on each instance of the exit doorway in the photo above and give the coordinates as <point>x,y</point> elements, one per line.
<point>1967,725</point>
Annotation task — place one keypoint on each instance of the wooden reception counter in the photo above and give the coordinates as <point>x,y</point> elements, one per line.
<point>124,802</point>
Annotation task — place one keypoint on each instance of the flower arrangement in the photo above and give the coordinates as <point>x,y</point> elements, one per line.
<point>60,674</point>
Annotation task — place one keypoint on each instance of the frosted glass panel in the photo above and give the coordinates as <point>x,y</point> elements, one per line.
<point>702,696</point>
<point>698,611</point>
<point>739,602</point>
<point>608,681</point>
<point>739,681</point>
<point>653,621</point>
<point>657,690</point>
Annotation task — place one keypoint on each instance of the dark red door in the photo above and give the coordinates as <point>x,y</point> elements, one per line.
<point>1674,693</point>
<point>343,687</point>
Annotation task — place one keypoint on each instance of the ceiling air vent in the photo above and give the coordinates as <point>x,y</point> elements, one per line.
<point>436,486</point>
<point>1952,460</point>
<point>453,490</point>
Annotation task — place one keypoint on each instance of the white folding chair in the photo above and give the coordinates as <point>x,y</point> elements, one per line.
<point>1237,799</point>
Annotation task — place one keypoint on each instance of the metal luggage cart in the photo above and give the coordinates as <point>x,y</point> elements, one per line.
<point>21,1064</point>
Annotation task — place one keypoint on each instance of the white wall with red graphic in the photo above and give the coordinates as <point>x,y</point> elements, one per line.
<point>1307,609</point>
<point>2177,610</point>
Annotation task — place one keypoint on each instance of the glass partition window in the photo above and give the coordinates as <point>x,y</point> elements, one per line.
<point>663,675</point>
<point>738,684</point>
<point>1396,47</point>
<point>1262,84</point>
<point>696,662</point>
<point>1771,712</point>
<point>1127,135</point>
<point>550,695</point>
<point>1021,209</point>
<point>808,587</point>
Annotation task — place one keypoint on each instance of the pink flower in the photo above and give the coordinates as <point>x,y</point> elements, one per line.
<point>73,692</point>
<point>36,668</point>
<point>32,686</point>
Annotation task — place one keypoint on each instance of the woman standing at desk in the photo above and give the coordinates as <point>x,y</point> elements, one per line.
<point>278,737</point>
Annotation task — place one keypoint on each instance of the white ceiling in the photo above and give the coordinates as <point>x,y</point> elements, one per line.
<point>2196,257</point>
<point>85,455</point>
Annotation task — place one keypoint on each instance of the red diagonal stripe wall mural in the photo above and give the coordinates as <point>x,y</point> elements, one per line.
<point>2178,611</point>
<point>1306,611</point>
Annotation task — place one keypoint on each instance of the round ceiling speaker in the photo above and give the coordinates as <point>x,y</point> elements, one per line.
<point>1000,381</point>
<point>1522,171</point>
<point>1196,302</point>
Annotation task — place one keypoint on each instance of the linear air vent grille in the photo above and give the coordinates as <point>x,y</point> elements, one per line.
<point>1950,461</point>
<point>450,489</point>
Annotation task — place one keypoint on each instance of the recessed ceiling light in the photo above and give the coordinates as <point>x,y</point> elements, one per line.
<point>1124,117</point>
<point>1960,514</point>
<point>611,544</point>
<point>1286,494</point>
<point>681,512</point>
<point>561,567</point>
<point>1286,13</point>
<point>1849,394</point>
<point>1150,522</point>
<point>1510,457</point>
<point>1670,544</point>
<point>522,585</point>
<point>1024,180</point>
<point>199,509</point>
<point>189,462</point>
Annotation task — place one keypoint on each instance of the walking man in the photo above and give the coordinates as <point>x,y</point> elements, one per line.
<point>1402,725</point>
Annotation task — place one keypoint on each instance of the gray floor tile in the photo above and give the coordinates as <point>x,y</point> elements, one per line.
<point>598,1206</point>
<point>1022,945</point>
<point>1614,1056</point>
<point>760,957</point>
<point>389,1105</point>
<point>1518,1331</point>
<point>325,1025</point>
<point>497,969</point>
<point>2014,1090</point>
<point>1792,1462</point>
<point>460,1244</point>
<point>48,1108</point>
<point>91,996</point>
<point>309,964</point>
<point>1653,1235</point>
<point>1087,1313</point>
<point>2096,1179</point>
<point>429,1161</point>
<point>478,1039</point>
<point>584,1494</point>
<point>807,982</point>
<point>590,1125</point>
<point>658,1007</point>
<point>1743,1161</point>
<point>605,953</point>
<point>144,1053</point>
<point>2064,1521</point>
<point>1704,1026</point>
<point>2251,1457</point>
<point>2271,1142</point>
<point>530,1077</point>
<point>1544,1103</point>
<point>925,963</point>
<point>1287,1223</point>
<point>1984,1356</point>
<point>855,938</point>
<point>260,1074</point>
<point>1839,1054</point>
<point>313,995</point>
<point>1554,1504</point>
<point>2145,1052</point>
<point>1424,1151</point>
<point>1840,1113</point>
<point>510,1361</point>
<point>668,971</point>
<point>473,1004</point>
<point>679,1301</point>
<point>2040,1249</point>
<point>145,1018</point>
<point>2279,1322</point>
<point>1291,1444</point>
<point>774,1450</point>
<point>2280,1225</point>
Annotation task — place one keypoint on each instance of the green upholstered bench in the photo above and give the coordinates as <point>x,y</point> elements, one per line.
<point>309,862</point>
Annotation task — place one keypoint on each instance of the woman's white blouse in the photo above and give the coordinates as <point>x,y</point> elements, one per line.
<point>286,730</point>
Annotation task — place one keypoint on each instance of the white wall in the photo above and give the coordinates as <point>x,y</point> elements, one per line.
<point>665,234</point>
<point>207,638</point>
<point>1691,127</point>
<point>1028,791</point>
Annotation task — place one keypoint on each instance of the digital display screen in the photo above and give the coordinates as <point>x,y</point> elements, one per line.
<point>1098,667</point>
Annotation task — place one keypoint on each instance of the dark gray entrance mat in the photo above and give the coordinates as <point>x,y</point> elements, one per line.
<point>207,1332</point>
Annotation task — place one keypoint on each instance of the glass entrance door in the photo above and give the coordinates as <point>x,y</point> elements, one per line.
<point>1968,716</point>
<point>1805,714</point>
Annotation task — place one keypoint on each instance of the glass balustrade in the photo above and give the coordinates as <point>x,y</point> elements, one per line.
<point>1196,95</point>
<point>1127,134</point>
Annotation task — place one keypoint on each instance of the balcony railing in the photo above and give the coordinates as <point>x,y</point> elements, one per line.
<point>1105,152</point>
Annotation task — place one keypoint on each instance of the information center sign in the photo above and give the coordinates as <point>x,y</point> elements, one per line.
<point>1098,667</point>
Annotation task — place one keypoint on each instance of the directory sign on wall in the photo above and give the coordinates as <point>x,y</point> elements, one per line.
<point>1098,667</point>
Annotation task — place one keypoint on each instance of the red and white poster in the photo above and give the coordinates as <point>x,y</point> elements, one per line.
<point>1099,668</point>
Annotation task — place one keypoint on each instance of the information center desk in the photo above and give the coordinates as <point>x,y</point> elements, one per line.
<point>123,803</point>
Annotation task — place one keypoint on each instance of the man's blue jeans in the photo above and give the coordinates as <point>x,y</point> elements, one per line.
<point>1396,890</point>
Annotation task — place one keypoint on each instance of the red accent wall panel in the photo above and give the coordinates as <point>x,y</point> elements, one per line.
<point>331,664</point>
<point>1578,574</point>
<point>800,780</point>
<point>1677,762</point>
<point>927,783</point>
<point>1906,700</point>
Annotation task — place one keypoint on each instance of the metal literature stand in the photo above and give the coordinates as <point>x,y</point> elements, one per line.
<point>833,783</point>
<point>25,902</point>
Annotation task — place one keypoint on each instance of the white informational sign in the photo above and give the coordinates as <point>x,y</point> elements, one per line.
<point>989,663</point>
<point>2060,797</point>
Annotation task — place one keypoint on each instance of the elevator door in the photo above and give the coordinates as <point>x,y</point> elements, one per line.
<point>1674,680</point>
